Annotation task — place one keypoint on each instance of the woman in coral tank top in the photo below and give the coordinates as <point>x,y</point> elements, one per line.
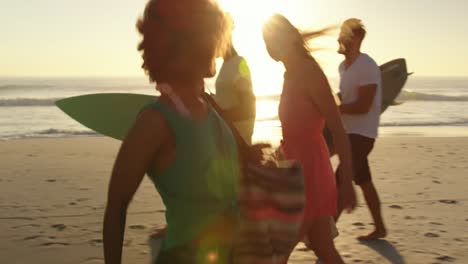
<point>306,104</point>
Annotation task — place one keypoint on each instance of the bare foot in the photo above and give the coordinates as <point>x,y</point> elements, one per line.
<point>377,234</point>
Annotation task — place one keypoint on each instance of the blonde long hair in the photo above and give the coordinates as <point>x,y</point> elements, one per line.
<point>281,27</point>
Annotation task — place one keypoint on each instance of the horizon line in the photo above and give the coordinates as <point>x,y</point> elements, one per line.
<point>144,76</point>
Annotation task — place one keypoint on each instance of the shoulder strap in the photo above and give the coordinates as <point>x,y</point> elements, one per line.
<point>242,145</point>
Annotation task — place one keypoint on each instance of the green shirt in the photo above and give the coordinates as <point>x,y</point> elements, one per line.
<point>202,182</point>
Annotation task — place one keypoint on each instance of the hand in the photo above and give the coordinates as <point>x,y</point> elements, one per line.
<point>347,197</point>
<point>256,152</point>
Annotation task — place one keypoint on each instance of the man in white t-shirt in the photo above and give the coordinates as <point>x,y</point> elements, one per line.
<point>361,98</point>
<point>234,93</point>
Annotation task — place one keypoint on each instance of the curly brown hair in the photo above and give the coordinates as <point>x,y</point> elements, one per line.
<point>181,39</point>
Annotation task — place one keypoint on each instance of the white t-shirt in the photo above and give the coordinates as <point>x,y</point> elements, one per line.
<point>364,71</point>
<point>228,92</point>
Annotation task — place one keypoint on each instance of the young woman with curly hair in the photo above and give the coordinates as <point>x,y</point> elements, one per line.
<point>180,141</point>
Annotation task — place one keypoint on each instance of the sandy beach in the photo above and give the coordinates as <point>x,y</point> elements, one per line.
<point>53,193</point>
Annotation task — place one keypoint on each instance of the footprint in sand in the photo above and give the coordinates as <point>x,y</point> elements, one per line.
<point>437,182</point>
<point>446,258</point>
<point>137,227</point>
<point>431,235</point>
<point>435,223</point>
<point>59,227</point>
<point>51,180</point>
<point>448,201</point>
<point>47,244</point>
<point>32,237</point>
<point>358,224</point>
<point>396,206</point>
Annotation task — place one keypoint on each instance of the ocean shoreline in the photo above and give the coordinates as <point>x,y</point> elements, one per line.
<point>384,132</point>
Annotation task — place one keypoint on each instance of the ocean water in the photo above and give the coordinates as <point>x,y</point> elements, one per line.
<point>27,107</point>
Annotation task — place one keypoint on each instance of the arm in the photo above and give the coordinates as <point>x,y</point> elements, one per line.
<point>363,104</point>
<point>135,156</point>
<point>319,91</point>
<point>245,108</point>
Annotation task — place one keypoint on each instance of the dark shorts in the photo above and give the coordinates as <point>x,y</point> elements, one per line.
<point>361,147</point>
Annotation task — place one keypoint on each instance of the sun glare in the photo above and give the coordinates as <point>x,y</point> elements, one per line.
<point>249,17</point>
<point>251,13</point>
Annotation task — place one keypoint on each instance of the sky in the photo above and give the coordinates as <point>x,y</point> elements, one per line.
<point>58,38</point>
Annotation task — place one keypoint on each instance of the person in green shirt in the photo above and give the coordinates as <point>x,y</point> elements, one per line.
<point>180,140</point>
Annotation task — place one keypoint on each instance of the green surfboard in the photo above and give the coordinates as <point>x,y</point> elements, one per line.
<point>110,114</point>
<point>113,114</point>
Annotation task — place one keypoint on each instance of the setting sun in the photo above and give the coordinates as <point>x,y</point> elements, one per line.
<point>253,13</point>
<point>249,17</point>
